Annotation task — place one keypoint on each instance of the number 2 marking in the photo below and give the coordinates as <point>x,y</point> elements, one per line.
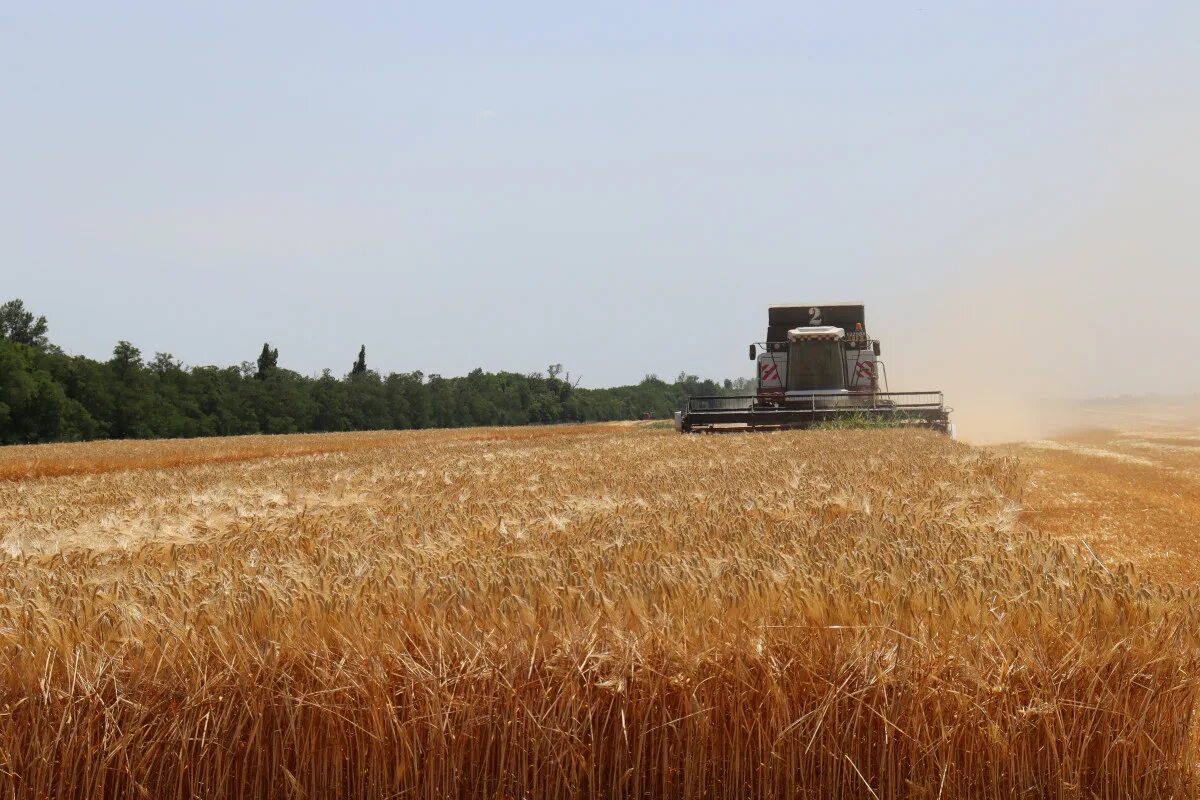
<point>814,316</point>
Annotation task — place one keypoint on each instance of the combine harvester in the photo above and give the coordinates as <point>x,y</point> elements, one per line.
<point>817,365</point>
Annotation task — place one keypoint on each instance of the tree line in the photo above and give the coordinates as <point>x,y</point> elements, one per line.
<point>47,395</point>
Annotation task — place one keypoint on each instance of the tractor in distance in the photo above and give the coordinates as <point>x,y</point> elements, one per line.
<point>817,365</point>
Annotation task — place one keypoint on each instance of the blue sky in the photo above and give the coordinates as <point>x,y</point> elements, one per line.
<point>622,189</point>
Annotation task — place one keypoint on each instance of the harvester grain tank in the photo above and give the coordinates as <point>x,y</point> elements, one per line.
<point>817,365</point>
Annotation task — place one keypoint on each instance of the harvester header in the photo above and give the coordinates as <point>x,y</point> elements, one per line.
<point>817,365</point>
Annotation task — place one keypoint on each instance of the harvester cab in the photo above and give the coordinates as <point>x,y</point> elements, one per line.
<point>817,365</point>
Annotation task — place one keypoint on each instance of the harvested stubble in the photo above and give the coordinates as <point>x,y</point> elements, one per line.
<point>597,613</point>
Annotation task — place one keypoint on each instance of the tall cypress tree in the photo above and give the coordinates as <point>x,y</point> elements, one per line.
<point>268,359</point>
<point>360,366</point>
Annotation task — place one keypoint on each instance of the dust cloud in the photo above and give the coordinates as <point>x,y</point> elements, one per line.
<point>1101,304</point>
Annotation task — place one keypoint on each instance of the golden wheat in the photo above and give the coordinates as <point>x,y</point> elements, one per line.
<point>1129,486</point>
<point>596,612</point>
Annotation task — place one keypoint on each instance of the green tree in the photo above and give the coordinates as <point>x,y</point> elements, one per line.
<point>415,392</point>
<point>126,360</point>
<point>223,398</point>
<point>16,393</point>
<point>20,326</point>
<point>176,409</point>
<point>165,364</point>
<point>367,402</point>
<point>268,360</point>
<point>329,399</point>
<point>90,385</point>
<point>47,395</point>
<point>133,395</point>
<point>282,402</point>
<point>33,405</point>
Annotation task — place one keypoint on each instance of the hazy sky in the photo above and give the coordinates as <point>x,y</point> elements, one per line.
<point>1011,188</point>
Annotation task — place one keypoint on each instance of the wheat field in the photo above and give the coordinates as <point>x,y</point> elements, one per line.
<point>1125,479</point>
<point>594,612</point>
